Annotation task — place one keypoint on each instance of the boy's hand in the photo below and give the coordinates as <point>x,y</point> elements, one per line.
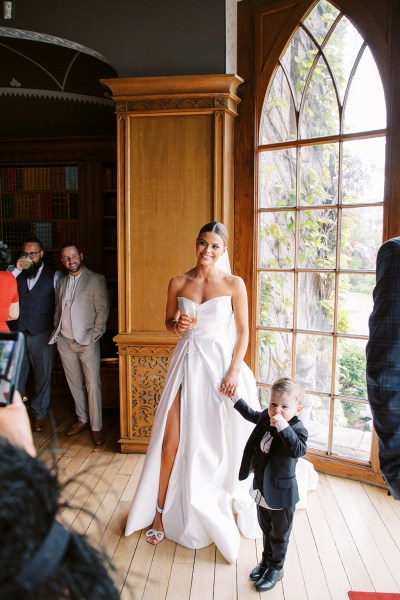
<point>279,422</point>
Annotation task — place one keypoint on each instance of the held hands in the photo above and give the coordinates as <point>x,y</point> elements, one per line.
<point>229,384</point>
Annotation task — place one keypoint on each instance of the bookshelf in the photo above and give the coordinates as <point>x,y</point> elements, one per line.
<point>40,201</point>
<point>59,190</point>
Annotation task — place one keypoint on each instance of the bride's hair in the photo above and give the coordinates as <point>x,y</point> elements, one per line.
<point>216,227</point>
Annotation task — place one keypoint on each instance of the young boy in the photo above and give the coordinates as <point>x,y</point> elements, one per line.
<point>277,441</point>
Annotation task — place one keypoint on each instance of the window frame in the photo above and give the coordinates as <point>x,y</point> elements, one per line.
<point>264,29</point>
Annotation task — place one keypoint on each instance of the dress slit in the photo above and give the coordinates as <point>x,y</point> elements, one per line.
<point>205,501</point>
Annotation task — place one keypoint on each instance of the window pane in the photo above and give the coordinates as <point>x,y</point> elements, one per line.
<point>317,239</point>
<point>276,300</point>
<point>278,123</point>
<point>341,50</point>
<point>315,351</point>
<point>319,174</point>
<point>315,301</point>
<point>274,355</point>
<point>320,113</point>
<point>350,368</point>
<point>320,210</point>
<point>361,237</point>
<point>298,60</point>
<point>264,395</point>
<point>355,303</point>
<point>277,178</point>
<point>315,416</point>
<point>320,19</point>
<point>276,240</point>
<point>363,171</point>
<point>365,108</point>
<point>352,430</point>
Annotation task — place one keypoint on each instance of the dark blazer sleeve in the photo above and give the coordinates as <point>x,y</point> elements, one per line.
<point>248,413</point>
<point>294,439</point>
<point>383,362</point>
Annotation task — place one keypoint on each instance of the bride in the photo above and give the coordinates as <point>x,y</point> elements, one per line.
<point>189,488</point>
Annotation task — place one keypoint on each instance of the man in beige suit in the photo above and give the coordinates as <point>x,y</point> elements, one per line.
<point>82,308</point>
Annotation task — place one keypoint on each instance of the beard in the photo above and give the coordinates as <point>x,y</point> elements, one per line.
<point>76,267</point>
<point>33,269</point>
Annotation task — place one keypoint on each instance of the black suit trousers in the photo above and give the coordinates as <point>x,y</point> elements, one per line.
<point>276,526</point>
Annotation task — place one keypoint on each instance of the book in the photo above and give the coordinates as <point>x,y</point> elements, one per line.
<point>44,231</point>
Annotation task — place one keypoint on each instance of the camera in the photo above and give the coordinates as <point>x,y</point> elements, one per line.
<point>11,355</point>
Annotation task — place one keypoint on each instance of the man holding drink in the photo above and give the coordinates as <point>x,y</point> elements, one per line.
<point>36,284</point>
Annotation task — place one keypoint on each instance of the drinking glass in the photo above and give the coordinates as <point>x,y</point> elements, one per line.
<point>192,314</point>
<point>25,262</point>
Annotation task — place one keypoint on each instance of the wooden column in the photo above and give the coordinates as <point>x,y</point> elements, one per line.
<point>175,173</point>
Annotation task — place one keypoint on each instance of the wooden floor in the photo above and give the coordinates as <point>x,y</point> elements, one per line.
<point>348,538</point>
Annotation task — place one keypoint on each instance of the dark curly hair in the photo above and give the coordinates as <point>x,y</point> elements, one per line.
<point>29,502</point>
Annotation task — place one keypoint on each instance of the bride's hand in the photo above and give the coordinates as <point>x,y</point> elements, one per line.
<point>183,323</point>
<point>229,384</point>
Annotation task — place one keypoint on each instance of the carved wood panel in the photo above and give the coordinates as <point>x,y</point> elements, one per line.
<point>149,367</point>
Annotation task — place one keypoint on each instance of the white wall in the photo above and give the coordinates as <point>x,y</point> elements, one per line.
<point>231,35</point>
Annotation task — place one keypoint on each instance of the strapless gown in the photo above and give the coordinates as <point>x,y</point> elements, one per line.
<point>205,501</point>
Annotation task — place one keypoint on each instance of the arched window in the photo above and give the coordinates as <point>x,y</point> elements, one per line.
<point>321,158</point>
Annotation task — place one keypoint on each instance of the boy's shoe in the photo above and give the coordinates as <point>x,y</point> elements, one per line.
<point>258,571</point>
<point>269,579</point>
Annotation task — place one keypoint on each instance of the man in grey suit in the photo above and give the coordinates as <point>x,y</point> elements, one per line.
<point>82,308</point>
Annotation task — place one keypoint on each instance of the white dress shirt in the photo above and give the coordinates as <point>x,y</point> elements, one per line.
<point>32,280</point>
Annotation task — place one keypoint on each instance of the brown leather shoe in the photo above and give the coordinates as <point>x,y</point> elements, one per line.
<point>38,424</point>
<point>97,437</point>
<point>77,428</point>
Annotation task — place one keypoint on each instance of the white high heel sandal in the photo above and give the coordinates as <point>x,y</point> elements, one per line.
<point>153,533</point>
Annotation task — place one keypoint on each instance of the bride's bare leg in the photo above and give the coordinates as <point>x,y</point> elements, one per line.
<point>169,448</point>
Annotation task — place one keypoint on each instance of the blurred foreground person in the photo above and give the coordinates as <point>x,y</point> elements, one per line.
<point>383,362</point>
<point>40,559</point>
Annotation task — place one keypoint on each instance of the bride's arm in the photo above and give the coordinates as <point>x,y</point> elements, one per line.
<point>239,303</point>
<point>171,310</point>
<point>174,321</point>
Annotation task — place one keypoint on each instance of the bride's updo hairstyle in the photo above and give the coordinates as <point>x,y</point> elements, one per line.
<point>215,227</point>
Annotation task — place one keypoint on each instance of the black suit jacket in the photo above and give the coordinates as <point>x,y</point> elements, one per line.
<point>279,482</point>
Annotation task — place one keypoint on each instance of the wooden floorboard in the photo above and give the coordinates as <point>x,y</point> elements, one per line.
<point>348,538</point>
<point>203,574</point>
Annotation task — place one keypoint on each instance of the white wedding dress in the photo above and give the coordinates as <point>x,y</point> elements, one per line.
<point>205,501</point>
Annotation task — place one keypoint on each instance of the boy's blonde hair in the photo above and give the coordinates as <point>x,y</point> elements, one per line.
<point>289,386</point>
